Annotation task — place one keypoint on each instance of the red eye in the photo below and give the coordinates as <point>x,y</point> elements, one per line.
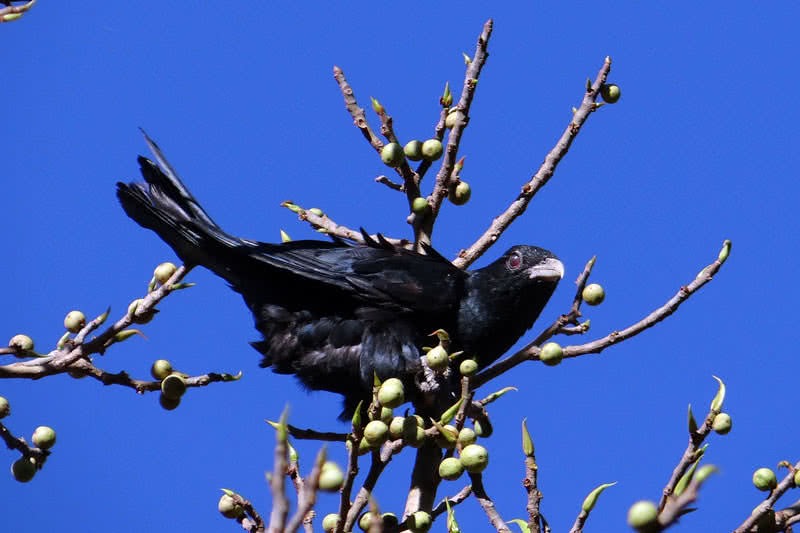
<point>514,261</point>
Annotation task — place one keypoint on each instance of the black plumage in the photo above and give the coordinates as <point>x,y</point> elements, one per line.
<point>334,313</point>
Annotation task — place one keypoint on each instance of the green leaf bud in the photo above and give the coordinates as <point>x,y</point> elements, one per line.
<point>726,250</point>
<point>590,500</point>
<point>316,211</point>
<point>451,412</point>
<point>692,422</point>
<point>527,442</point>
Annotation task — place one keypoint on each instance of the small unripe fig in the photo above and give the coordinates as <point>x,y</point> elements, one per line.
<point>766,522</point>
<point>593,294</point>
<point>466,437</point>
<point>551,354</point>
<point>386,415</point>
<point>764,479</point>
<point>432,149</point>
<point>797,478</point>
<point>161,368</point>
<point>21,342</point>
<point>419,205</point>
<point>229,508</point>
<point>329,522</point>
<point>436,358</point>
<point>168,403</point>
<point>390,520</point>
<point>173,386</point>
<point>413,150</point>
<point>483,428</point>
<point>392,154</point>
<point>164,271</point>
<point>468,367</point>
<point>396,427</point>
<point>443,442</point>
<point>331,477</point>
<point>459,195</point>
<point>642,515</point>
<point>23,469</point>
<point>450,469</point>
<point>364,447</point>
<point>316,211</point>
<point>74,321</point>
<point>143,318</point>
<point>450,120</point>
<point>5,408</point>
<point>722,423</point>
<point>44,437</point>
<point>365,521</point>
<point>475,458</point>
<point>610,93</point>
<point>413,434</point>
<point>391,393</point>
<point>376,432</point>
<point>419,522</point>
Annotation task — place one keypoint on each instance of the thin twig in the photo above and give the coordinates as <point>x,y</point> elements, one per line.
<point>487,504</point>
<point>454,500</point>
<point>7,14</point>
<point>542,176</point>
<point>280,505</point>
<point>308,496</point>
<point>380,458</point>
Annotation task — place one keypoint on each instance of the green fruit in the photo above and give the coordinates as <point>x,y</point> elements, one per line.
<point>551,354</point>
<point>23,469</point>
<point>364,447</point>
<point>432,149</point>
<point>443,442</point>
<point>468,367</point>
<point>5,408</point>
<point>365,521</point>
<point>331,477</point>
<point>144,318</point>
<point>593,294</point>
<point>44,437</point>
<point>642,515</point>
<point>229,508</point>
<point>22,343</point>
<point>413,150</point>
<point>390,521</point>
<point>483,428</point>
<point>466,437</point>
<point>386,415</point>
<point>722,423</point>
<point>765,522</point>
<point>475,458</point>
<point>450,121</point>
<point>396,427</point>
<point>459,195</point>
<point>437,358</point>
<point>450,469</point>
<point>74,321</point>
<point>764,479</point>
<point>419,205</point>
<point>161,368</point>
<point>168,403</point>
<point>797,478</point>
<point>413,434</point>
<point>330,522</point>
<point>610,93</point>
<point>391,393</point>
<point>419,522</point>
<point>376,433</point>
<point>164,271</point>
<point>392,154</point>
<point>173,386</point>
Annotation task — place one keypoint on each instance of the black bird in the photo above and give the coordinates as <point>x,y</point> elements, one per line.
<point>334,313</point>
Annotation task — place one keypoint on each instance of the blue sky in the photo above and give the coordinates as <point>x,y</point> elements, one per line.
<point>702,147</point>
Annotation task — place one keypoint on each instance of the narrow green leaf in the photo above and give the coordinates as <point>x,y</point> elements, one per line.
<point>716,403</point>
<point>591,499</point>
<point>527,442</point>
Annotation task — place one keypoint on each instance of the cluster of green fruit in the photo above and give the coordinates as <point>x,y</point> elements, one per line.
<point>44,437</point>
<point>552,353</point>
<point>173,384</point>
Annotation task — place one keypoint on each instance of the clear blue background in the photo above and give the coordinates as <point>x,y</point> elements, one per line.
<point>240,95</point>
